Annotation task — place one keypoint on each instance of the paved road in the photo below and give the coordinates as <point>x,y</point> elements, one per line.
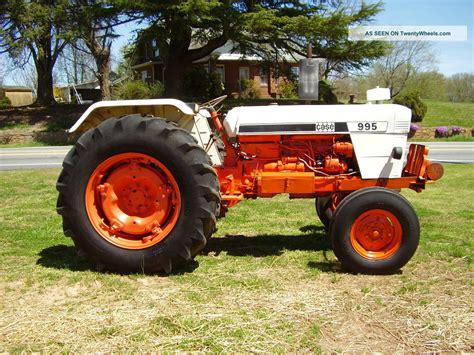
<point>52,157</point>
<point>32,157</point>
<point>451,152</point>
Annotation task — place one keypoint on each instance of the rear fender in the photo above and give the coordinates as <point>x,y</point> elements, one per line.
<point>187,116</point>
<point>170,109</point>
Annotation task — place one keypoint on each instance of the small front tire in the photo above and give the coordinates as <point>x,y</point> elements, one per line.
<point>374,231</point>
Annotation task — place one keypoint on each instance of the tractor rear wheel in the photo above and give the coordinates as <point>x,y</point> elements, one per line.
<point>138,195</point>
<point>374,231</point>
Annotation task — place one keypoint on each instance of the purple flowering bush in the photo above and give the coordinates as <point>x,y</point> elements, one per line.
<point>441,131</point>
<point>413,128</point>
<point>456,130</point>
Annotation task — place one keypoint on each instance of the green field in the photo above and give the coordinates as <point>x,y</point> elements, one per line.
<point>268,281</point>
<point>443,113</point>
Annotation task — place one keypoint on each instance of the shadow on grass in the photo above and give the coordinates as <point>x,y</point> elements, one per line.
<point>66,257</point>
<point>63,257</point>
<point>313,239</point>
<point>327,266</point>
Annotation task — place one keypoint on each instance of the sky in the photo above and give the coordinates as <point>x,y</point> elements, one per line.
<point>452,57</point>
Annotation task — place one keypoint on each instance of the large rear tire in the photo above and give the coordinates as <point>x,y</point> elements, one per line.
<point>374,231</point>
<point>138,195</point>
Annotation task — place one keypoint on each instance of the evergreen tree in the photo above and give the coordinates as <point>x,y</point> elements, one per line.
<point>188,30</point>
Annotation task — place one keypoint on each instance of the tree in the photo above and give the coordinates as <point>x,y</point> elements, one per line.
<point>124,65</point>
<point>94,23</point>
<point>26,75</point>
<point>75,64</point>
<point>326,30</point>
<point>35,29</point>
<point>460,87</point>
<point>3,68</point>
<point>430,84</point>
<point>402,60</point>
<point>190,30</point>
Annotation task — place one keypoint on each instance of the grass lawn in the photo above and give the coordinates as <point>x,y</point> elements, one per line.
<point>23,145</point>
<point>443,113</point>
<point>268,281</point>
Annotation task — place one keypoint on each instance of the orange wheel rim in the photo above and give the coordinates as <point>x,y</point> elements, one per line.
<point>376,234</point>
<point>132,200</point>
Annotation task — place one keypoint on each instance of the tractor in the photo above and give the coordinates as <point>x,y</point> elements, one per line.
<point>143,186</point>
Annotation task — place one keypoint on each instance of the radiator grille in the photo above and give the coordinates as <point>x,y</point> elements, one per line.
<point>402,126</point>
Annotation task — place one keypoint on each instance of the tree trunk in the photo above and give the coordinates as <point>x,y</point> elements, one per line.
<point>45,94</point>
<point>103,67</point>
<point>100,50</point>
<point>175,69</point>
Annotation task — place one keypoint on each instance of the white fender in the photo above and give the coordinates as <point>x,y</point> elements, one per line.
<point>187,116</point>
<point>171,109</point>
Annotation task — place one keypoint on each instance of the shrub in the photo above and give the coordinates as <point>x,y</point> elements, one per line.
<point>455,130</point>
<point>201,85</point>
<point>413,128</point>
<point>412,101</point>
<point>5,102</point>
<point>287,89</point>
<point>441,131</point>
<point>250,89</point>
<point>156,90</point>
<point>137,90</point>
<point>326,93</point>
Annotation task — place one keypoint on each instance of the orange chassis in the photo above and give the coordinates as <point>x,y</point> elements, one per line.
<point>255,168</point>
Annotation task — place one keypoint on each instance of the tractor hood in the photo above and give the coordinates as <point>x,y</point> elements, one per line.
<point>317,119</point>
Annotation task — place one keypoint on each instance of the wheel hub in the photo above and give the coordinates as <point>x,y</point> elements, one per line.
<point>136,200</point>
<point>376,234</point>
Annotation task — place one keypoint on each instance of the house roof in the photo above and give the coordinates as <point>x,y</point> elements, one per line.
<point>15,88</point>
<point>229,52</point>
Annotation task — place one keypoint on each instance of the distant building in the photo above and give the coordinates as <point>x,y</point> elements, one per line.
<point>86,92</point>
<point>232,67</point>
<point>18,95</point>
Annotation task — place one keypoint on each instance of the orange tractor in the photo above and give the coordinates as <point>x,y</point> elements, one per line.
<point>142,191</point>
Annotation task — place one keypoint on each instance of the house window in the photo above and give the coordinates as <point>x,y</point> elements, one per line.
<point>221,72</point>
<point>154,48</point>
<point>244,74</point>
<point>295,71</point>
<point>263,73</point>
<point>144,75</point>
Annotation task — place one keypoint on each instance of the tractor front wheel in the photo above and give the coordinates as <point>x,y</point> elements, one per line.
<point>325,207</point>
<point>138,195</point>
<point>324,211</point>
<point>374,231</point>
